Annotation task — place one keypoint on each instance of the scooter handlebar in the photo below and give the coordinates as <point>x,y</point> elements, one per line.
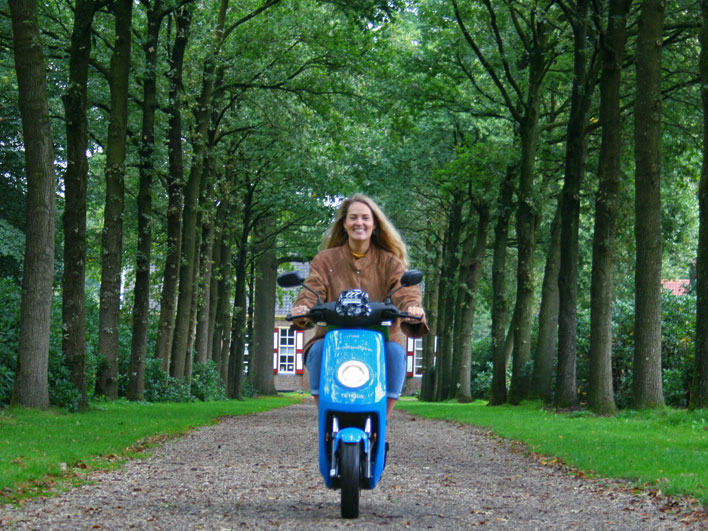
<point>405,315</point>
<point>379,313</point>
<point>313,315</point>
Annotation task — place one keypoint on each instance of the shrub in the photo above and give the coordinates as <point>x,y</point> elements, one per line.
<point>678,325</point>
<point>206,382</point>
<point>481,368</point>
<point>481,379</point>
<point>676,384</point>
<point>247,388</point>
<point>7,378</point>
<point>9,334</point>
<point>161,387</point>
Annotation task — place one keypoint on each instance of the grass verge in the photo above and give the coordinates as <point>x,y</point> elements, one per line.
<point>661,449</point>
<point>44,449</point>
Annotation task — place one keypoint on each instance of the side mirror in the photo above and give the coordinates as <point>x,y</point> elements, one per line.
<point>291,279</point>
<point>411,278</point>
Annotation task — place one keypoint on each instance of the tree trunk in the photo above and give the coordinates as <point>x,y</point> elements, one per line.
<point>75,182</point>
<point>238,325</point>
<point>472,264</point>
<point>31,387</point>
<point>191,205</point>
<point>201,343</point>
<point>141,305</point>
<point>183,321</point>
<point>432,290</point>
<point>446,304</point>
<point>220,238</point>
<point>237,347</point>
<point>523,309</point>
<point>526,223</point>
<point>647,382</point>
<point>261,360</point>
<point>222,315</point>
<point>112,234</point>
<point>699,388</point>
<point>575,156</point>
<point>600,393</point>
<point>196,296</point>
<point>542,376</point>
<point>175,178</point>
<point>498,394</point>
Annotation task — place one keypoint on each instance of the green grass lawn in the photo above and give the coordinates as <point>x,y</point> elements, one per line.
<point>665,449</point>
<point>39,447</point>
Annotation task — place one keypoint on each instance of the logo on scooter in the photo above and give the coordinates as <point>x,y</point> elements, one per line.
<point>353,303</point>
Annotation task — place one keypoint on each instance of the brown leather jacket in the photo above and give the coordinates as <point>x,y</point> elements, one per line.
<point>378,273</point>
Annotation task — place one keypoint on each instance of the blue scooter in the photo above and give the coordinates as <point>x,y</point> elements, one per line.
<point>352,400</point>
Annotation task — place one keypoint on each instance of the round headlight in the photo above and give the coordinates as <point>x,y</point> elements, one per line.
<point>353,374</point>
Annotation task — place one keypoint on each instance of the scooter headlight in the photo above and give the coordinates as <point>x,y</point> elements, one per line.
<point>353,374</point>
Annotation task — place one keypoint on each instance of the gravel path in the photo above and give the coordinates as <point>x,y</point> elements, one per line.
<point>261,472</point>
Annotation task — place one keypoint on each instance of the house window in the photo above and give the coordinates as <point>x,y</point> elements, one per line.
<point>418,358</point>
<point>286,351</point>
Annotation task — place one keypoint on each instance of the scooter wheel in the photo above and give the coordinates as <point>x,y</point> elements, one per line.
<point>349,459</point>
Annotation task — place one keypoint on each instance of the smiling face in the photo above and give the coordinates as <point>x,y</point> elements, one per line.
<point>359,224</point>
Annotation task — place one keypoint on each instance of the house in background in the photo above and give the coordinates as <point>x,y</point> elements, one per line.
<point>288,359</point>
<point>677,287</point>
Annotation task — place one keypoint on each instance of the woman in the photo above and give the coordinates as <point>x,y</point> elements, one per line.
<point>362,249</point>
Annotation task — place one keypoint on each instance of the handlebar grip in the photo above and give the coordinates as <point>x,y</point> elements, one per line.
<point>313,316</point>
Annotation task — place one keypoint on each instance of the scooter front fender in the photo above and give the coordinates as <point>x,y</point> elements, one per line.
<point>351,436</point>
<point>355,436</point>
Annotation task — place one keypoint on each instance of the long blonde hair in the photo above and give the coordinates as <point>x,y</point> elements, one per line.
<point>384,236</point>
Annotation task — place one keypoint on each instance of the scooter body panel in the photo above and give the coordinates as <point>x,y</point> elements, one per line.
<point>353,400</point>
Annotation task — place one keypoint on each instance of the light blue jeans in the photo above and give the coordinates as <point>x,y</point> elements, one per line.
<point>395,367</point>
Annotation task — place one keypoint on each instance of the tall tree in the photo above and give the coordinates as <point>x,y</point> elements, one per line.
<point>206,322</point>
<point>430,303</point>
<point>112,234</point>
<point>542,375</point>
<point>584,80</point>
<point>201,339</point>
<point>472,263</point>
<point>221,331</point>
<point>647,389</point>
<point>498,392</point>
<point>699,389</point>
<point>235,348</point>
<point>181,339</point>
<point>261,356</point>
<point>613,41</point>
<point>524,107</point>
<point>175,177</point>
<point>31,387</point>
<point>526,218</point>
<point>75,183</point>
<point>141,303</point>
<point>444,386</point>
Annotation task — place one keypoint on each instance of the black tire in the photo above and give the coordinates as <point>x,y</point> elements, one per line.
<point>349,459</point>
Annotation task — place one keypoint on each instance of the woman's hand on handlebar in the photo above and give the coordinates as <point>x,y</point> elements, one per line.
<point>416,313</point>
<point>296,311</point>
